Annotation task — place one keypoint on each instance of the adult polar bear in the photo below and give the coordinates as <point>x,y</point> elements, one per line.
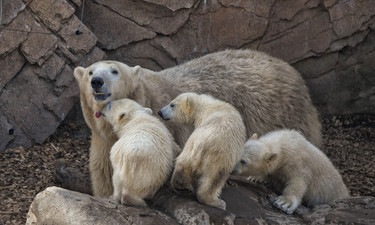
<point>267,92</point>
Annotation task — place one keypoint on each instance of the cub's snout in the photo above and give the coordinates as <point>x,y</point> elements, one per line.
<point>163,115</point>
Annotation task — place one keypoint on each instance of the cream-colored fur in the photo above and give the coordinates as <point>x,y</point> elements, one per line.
<point>268,93</point>
<point>142,158</point>
<point>294,166</point>
<point>213,148</point>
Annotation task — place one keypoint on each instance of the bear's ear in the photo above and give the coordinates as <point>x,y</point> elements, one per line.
<point>270,157</point>
<point>137,71</point>
<point>78,73</point>
<point>121,116</point>
<point>148,111</point>
<point>253,137</point>
<point>188,106</point>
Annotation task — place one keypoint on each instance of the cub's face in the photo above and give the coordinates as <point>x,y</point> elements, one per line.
<point>180,109</point>
<point>120,112</point>
<point>105,81</point>
<point>255,161</point>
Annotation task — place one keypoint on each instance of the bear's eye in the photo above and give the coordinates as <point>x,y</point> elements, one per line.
<point>114,71</point>
<point>121,116</point>
<point>90,72</point>
<point>172,105</point>
<point>243,162</point>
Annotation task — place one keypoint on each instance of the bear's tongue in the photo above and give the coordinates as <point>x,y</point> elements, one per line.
<point>98,114</point>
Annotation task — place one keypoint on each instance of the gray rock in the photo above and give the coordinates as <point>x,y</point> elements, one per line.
<point>111,29</point>
<point>39,44</point>
<point>51,67</point>
<point>96,54</point>
<point>59,206</point>
<point>11,10</point>
<point>25,109</point>
<point>148,15</point>
<point>52,12</point>
<point>12,37</point>
<point>6,131</point>
<point>61,104</point>
<point>77,44</point>
<point>10,66</point>
<point>173,5</point>
<point>247,203</point>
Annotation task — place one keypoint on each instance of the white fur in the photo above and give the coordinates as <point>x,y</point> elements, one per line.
<point>142,158</point>
<point>213,148</point>
<point>294,166</point>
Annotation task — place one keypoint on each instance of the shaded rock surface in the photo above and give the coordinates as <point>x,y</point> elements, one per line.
<point>247,203</point>
<point>331,42</point>
<point>38,52</point>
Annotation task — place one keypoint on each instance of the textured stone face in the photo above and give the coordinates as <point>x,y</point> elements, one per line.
<point>111,29</point>
<point>52,12</point>
<point>304,33</point>
<point>13,8</point>
<point>37,86</point>
<point>39,44</point>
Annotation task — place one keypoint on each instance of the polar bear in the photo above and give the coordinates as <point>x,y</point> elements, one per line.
<point>268,93</point>
<point>294,167</point>
<point>212,150</point>
<point>142,158</point>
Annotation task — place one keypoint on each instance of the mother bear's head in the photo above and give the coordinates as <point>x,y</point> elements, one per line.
<point>105,81</point>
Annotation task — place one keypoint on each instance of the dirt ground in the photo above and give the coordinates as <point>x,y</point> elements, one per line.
<point>349,141</point>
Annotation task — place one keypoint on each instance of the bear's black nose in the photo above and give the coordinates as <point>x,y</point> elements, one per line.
<point>160,114</point>
<point>97,82</point>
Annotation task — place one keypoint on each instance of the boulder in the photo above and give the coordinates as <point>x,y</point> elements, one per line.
<point>59,206</point>
<point>247,203</point>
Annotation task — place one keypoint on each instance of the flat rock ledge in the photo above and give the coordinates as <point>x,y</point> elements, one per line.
<point>247,203</point>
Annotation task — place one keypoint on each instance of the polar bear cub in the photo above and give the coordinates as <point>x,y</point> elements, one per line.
<point>294,166</point>
<point>212,150</point>
<point>142,158</point>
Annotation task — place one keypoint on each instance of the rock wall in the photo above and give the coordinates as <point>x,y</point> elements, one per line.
<point>331,42</point>
<point>38,52</point>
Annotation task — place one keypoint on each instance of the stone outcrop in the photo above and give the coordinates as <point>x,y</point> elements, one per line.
<point>59,206</point>
<point>331,42</point>
<point>38,52</point>
<point>247,203</point>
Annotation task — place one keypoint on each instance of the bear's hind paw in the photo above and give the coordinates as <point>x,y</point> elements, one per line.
<point>286,203</point>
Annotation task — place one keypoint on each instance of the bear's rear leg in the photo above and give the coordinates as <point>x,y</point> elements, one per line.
<point>132,201</point>
<point>181,179</point>
<point>209,190</point>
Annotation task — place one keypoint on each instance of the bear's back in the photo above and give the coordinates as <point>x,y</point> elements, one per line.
<point>267,91</point>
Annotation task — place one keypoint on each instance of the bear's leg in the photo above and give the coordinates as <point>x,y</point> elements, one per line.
<point>100,166</point>
<point>117,187</point>
<point>131,199</point>
<point>209,189</point>
<point>292,195</point>
<point>181,178</point>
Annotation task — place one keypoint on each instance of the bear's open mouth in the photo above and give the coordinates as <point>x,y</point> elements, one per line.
<point>100,96</point>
